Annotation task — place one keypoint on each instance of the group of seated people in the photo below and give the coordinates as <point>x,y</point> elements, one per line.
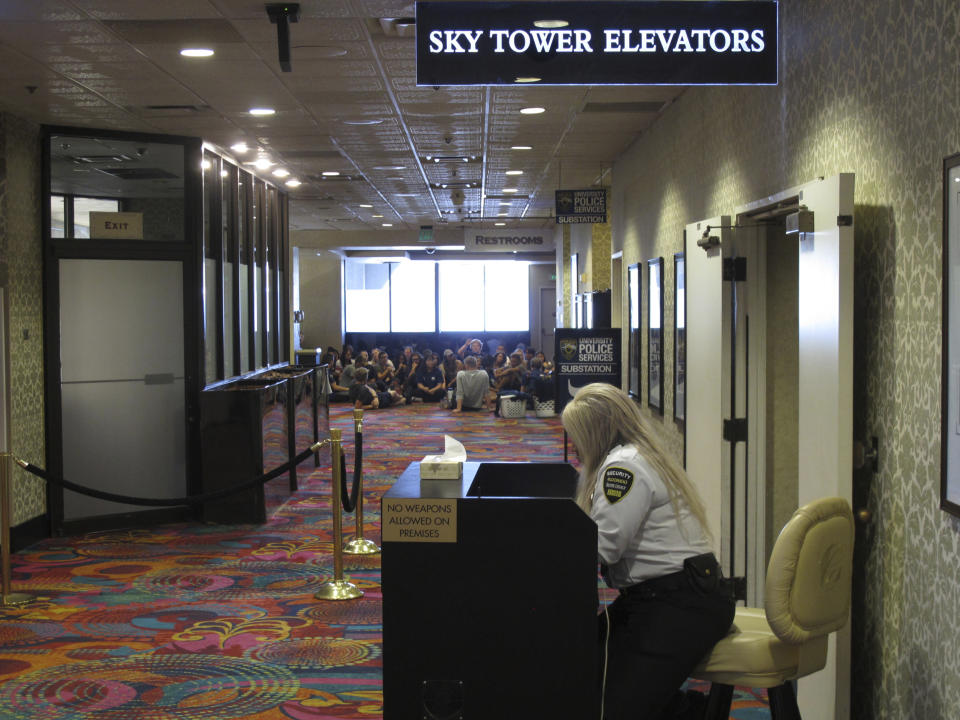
<point>461,379</point>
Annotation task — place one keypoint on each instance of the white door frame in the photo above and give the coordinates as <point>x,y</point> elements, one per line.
<point>825,395</point>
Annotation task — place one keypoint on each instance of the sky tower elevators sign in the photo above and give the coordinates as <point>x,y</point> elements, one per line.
<point>597,43</point>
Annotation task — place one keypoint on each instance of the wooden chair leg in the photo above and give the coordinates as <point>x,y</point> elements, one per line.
<point>783,702</point>
<point>719,701</point>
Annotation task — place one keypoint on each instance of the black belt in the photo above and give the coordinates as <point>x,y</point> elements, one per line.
<point>701,574</point>
<point>663,584</point>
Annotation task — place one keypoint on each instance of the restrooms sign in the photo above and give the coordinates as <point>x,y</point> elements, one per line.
<point>597,43</point>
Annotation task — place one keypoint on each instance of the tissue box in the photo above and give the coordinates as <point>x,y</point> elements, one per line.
<point>440,470</point>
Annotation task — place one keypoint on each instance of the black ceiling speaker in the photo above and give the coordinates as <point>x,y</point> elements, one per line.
<point>281,15</point>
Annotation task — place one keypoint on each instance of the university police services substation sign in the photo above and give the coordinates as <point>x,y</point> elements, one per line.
<point>581,206</point>
<point>601,43</point>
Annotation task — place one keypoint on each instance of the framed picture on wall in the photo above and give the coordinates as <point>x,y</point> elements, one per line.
<point>679,339</point>
<point>950,380</point>
<point>633,325</point>
<point>655,334</point>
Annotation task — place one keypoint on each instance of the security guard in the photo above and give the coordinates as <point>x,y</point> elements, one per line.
<point>654,547</point>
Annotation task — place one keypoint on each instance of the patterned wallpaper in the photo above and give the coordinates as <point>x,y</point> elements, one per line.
<point>20,250</point>
<point>870,87</point>
<point>600,257</point>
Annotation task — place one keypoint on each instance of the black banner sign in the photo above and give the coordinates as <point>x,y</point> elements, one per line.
<point>597,43</point>
<point>581,206</point>
<point>582,357</point>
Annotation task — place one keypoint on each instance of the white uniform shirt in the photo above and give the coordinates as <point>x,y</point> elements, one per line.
<point>639,536</point>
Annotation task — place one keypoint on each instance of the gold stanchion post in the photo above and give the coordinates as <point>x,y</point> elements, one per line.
<point>6,472</point>
<point>360,545</point>
<point>338,588</point>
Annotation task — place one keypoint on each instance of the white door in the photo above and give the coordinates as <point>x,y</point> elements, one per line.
<point>704,422</point>
<point>825,441</point>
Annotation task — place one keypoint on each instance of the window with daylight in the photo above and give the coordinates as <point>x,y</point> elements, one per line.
<point>427,296</point>
<point>367,288</point>
<point>413,287</point>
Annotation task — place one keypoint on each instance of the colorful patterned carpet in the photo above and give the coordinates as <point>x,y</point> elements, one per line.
<point>216,622</point>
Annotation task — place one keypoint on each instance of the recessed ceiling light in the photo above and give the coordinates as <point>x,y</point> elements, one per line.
<point>521,80</point>
<point>509,190</point>
<point>365,206</point>
<point>292,182</point>
<point>505,202</point>
<point>269,111</point>
<point>532,110</point>
<point>263,164</point>
<point>240,147</point>
<point>205,164</point>
<point>521,147</point>
<point>376,216</point>
<point>280,172</point>
<point>386,224</point>
<point>196,52</point>
<point>503,214</point>
<point>500,224</point>
<point>330,173</point>
<point>389,167</point>
<point>514,172</point>
<point>363,121</point>
<point>550,24</point>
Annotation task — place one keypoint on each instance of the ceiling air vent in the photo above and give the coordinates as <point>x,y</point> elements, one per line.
<point>623,107</point>
<point>139,173</point>
<point>173,110</point>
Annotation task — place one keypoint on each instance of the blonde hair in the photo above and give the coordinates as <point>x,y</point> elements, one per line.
<point>599,418</point>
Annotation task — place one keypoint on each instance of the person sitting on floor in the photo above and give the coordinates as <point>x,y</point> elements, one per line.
<point>472,387</point>
<point>367,398</point>
<point>473,346</point>
<point>410,384</point>
<point>383,372</point>
<point>509,380</point>
<point>430,385</point>
<point>450,366</point>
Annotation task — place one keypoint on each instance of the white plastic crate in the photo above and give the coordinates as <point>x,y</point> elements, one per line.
<point>511,407</point>
<point>544,408</point>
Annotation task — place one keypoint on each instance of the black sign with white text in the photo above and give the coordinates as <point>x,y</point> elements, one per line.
<point>584,356</point>
<point>581,206</point>
<point>597,43</point>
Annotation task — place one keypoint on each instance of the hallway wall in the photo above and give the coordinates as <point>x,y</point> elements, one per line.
<point>870,87</point>
<point>20,257</point>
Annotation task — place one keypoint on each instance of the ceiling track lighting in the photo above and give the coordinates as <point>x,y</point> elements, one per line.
<point>281,15</point>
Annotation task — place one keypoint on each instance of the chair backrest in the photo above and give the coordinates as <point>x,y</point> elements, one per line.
<point>810,572</point>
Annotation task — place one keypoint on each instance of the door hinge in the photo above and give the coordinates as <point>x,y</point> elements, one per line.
<point>734,269</point>
<point>735,430</point>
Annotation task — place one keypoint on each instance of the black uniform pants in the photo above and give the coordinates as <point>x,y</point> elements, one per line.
<point>657,636</point>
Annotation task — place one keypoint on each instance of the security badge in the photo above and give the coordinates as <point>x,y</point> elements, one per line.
<point>616,484</point>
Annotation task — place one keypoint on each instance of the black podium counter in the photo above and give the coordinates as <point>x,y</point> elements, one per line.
<point>489,595</point>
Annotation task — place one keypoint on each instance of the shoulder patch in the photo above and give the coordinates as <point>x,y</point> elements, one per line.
<point>617,482</point>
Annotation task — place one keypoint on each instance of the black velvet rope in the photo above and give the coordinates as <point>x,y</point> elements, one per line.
<point>349,500</point>
<point>166,502</point>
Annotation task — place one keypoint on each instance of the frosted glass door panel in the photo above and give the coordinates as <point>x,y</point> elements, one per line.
<point>228,321</point>
<point>122,385</point>
<point>120,319</point>
<point>210,318</point>
<point>122,437</point>
<point>245,364</point>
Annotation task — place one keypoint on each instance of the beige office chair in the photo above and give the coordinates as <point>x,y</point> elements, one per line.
<point>807,598</point>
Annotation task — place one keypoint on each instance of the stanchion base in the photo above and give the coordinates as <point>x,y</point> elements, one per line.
<point>338,590</point>
<point>361,546</point>
<point>14,599</point>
